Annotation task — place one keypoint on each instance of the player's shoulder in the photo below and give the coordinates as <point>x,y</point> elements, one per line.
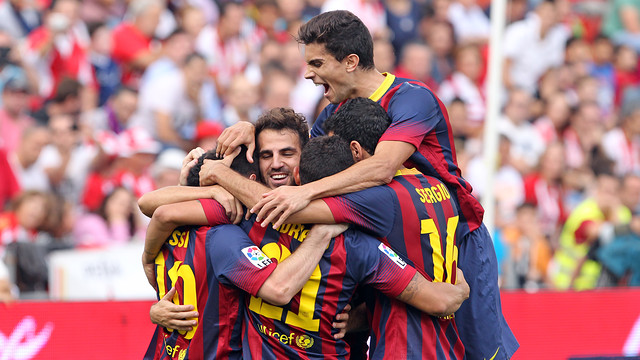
<point>405,85</point>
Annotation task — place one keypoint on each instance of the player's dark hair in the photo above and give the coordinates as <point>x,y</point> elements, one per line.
<point>360,119</point>
<point>342,33</point>
<point>324,156</point>
<point>239,164</point>
<point>283,119</point>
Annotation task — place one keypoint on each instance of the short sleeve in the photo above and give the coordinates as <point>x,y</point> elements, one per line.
<point>375,264</point>
<point>237,260</point>
<point>215,213</point>
<point>370,209</point>
<point>414,112</point>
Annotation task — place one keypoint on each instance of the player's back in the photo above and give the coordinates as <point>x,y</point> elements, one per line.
<point>415,216</point>
<point>303,328</point>
<point>186,263</point>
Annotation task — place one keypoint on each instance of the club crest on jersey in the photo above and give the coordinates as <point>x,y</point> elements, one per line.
<point>392,255</point>
<point>256,256</point>
<point>304,341</point>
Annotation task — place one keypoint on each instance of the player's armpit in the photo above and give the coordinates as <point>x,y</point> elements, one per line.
<point>435,298</point>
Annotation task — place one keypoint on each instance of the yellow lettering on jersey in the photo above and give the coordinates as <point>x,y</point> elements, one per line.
<point>432,198</point>
<point>421,193</point>
<point>436,192</point>
<point>180,270</point>
<point>295,230</point>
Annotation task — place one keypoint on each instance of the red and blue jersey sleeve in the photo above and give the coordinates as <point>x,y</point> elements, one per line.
<point>377,265</point>
<point>414,112</point>
<point>318,125</point>
<point>372,210</point>
<point>215,213</point>
<point>237,260</point>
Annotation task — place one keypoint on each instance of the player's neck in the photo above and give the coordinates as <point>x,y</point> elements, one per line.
<point>367,82</point>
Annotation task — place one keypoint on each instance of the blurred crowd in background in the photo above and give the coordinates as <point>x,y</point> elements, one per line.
<point>101,99</point>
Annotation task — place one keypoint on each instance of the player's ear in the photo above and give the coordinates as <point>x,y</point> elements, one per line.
<point>253,177</point>
<point>356,151</point>
<point>351,62</point>
<point>296,175</point>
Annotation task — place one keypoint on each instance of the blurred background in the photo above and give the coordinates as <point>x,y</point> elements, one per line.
<point>101,99</point>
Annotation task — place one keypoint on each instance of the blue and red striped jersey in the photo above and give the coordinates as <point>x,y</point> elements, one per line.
<point>303,328</point>
<point>209,266</point>
<point>419,118</point>
<point>415,216</point>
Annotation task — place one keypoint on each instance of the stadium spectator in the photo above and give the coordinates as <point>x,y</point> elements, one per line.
<point>106,71</point>
<point>171,106</point>
<point>467,84</point>
<point>572,267</point>
<point>113,224</point>
<point>383,55</point>
<point>115,115</point>
<point>175,49</point>
<point>241,102</point>
<point>555,118</point>
<point>508,186</point>
<point>625,70</point>
<point>66,101</point>
<point>583,135</point>
<point>14,118</point>
<point>532,46</point>
<point>59,49</point>
<point>621,25</point>
<point>25,218</point>
<point>530,252</point>
<point>630,192</point>
<point>166,168</point>
<point>403,18</point>
<point>622,143</point>
<point>207,133</point>
<point>19,17</point>
<point>226,48</point>
<point>526,144</point>
<point>24,161</point>
<point>9,187</point>
<point>415,63</point>
<point>544,189</point>
<point>440,38</point>
<point>134,49</point>
<point>470,23</point>
<point>67,159</point>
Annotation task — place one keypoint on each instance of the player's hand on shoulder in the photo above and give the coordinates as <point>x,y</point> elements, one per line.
<point>172,316</point>
<point>238,134</point>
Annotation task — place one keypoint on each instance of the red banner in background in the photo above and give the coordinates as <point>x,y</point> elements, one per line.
<point>560,325</point>
<point>75,330</point>
<point>548,325</point>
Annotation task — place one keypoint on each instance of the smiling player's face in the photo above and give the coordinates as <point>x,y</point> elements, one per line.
<point>279,155</point>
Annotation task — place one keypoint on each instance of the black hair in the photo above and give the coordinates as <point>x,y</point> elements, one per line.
<point>192,56</point>
<point>239,164</point>
<point>342,33</point>
<point>283,119</point>
<point>360,119</point>
<point>324,156</point>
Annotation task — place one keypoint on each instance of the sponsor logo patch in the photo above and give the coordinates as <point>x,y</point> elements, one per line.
<point>392,255</point>
<point>256,256</point>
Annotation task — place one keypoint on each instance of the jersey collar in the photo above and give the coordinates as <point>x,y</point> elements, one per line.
<point>405,171</point>
<point>386,84</point>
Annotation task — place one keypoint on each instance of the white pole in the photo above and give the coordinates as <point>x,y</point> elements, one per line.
<point>494,90</point>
